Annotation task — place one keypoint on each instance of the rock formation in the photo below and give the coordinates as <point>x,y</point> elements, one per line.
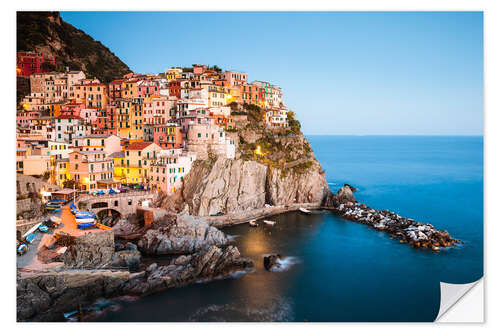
<point>185,235</point>
<point>271,262</point>
<point>211,262</point>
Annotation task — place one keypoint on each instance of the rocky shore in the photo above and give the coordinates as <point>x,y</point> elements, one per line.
<point>109,264</point>
<point>407,230</point>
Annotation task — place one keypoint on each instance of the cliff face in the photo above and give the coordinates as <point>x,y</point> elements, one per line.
<point>47,32</point>
<point>272,166</point>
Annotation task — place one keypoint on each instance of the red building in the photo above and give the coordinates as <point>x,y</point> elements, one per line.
<point>31,62</point>
<point>174,88</point>
<point>106,121</point>
<point>115,90</point>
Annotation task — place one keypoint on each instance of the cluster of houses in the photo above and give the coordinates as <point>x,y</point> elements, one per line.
<point>140,129</point>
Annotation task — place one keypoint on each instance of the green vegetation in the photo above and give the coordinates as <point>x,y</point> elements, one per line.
<point>69,183</point>
<point>215,68</point>
<point>293,123</point>
<point>37,31</point>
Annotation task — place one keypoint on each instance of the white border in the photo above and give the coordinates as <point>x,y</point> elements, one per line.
<point>491,129</point>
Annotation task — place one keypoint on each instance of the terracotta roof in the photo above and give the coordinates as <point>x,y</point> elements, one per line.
<point>138,145</point>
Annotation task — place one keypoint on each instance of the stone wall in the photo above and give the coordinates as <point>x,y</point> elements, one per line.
<point>27,184</point>
<point>124,203</point>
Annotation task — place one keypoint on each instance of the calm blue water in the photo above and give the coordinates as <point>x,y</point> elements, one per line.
<point>339,270</point>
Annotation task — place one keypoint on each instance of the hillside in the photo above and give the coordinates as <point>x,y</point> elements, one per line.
<point>47,32</point>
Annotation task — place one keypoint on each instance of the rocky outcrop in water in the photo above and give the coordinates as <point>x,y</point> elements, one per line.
<point>185,235</point>
<point>409,231</point>
<point>209,263</point>
<point>271,262</point>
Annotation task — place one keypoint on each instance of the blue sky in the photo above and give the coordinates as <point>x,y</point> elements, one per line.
<point>342,73</point>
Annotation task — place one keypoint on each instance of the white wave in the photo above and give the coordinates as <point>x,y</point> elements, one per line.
<point>232,237</point>
<point>286,263</point>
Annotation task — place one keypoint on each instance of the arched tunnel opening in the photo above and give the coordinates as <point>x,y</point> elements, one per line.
<point>99,205</point>
<point>108,217</point>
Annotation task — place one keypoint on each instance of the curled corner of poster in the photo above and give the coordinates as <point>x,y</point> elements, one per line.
<point>461,303</point>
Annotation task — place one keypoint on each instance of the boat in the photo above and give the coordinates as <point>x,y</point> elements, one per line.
<point>21,249</point>
<point>56,201</point>
<point>269,222</point>
<point>43,228</point>
<point>85,215</point>
<point>253,223</point>
<point>69,314</point>
<point>305,211</point>
<point>30,238</point>
<point>85,225</point>
<point>85,220</point>
<point>55,219</point>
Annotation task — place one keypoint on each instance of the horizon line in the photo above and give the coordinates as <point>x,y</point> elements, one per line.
<point>329,134</point>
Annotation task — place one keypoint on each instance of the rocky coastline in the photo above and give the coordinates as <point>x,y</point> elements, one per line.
<point>107,264</point>
<point>407,230</point>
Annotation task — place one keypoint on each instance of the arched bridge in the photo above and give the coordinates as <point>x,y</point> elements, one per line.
<point>123,203</point>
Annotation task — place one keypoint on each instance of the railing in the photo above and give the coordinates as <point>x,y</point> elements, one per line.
<point>133,193</point>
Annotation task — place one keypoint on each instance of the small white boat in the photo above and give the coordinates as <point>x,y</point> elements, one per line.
<point>55,219</point>
<point>269,222</point>
<point>305,211</point>
<point>85,220</point>
<point>253,223</point>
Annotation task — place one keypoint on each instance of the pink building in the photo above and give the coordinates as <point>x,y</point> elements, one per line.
<point>199,69</point>
<point>235,78</point>
<point>72,109</point>
<point>156,110</point>
<point>23,118</point>
<point>89,116</point>
<point>168,136</point>
<point>148,89</point>
<point>167,173</point>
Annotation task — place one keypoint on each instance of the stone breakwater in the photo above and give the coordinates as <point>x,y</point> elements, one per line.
<point>416,234</point>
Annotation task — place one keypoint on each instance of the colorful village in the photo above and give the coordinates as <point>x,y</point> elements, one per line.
<point>141,132</point>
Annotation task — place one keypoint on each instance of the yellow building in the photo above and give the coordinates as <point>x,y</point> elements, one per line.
<point>60,171</point>
<point>131,166</point>
<point>94,95</point>
<point>130,119</point>
<point>217,96</point>
<point>130,89</point>
<point>173,74</point>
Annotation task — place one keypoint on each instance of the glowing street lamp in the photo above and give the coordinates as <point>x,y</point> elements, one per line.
<point>258,151</point>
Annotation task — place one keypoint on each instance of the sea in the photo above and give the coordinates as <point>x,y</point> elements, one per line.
<point>335,270</point>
